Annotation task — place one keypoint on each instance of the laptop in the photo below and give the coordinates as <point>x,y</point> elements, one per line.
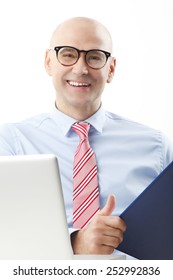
<point>149,221</point>
<point>32,212</point>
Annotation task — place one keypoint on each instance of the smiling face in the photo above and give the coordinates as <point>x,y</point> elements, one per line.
<point>79,87</point>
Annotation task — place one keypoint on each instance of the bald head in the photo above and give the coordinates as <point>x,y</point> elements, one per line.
<point>82,33</point>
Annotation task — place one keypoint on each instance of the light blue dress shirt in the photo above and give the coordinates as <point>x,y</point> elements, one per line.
<point>129,155</point>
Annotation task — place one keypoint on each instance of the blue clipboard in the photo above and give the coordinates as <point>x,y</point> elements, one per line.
<point>149,220</point>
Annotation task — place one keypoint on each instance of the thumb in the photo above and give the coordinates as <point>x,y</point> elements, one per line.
<point>109,206</point>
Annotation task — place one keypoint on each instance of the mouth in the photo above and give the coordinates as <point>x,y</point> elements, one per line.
<point>78,84</point>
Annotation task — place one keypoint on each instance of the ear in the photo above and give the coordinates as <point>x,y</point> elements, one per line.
<point>111,70</point>
<point>47,63</point>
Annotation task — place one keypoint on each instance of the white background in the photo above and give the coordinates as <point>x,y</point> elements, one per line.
<point>142,32</point>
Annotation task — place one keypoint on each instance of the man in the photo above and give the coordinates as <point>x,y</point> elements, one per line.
<point>129,155</point>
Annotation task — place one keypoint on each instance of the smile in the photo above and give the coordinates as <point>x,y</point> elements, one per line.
<point>78,84</point>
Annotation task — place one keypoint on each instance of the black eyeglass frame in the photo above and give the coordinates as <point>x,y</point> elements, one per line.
<point>58,48</point>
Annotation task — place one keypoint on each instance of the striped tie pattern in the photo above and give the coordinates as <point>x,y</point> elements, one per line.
<point>85,182</point>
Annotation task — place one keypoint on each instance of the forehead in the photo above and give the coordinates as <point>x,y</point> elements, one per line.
<point>82,35</point>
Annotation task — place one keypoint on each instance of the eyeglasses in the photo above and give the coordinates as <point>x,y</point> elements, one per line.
<point>68,56</point>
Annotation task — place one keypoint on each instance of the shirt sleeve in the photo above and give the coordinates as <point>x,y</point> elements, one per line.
<point>7,141</point>
<point>167,152</point>
<point>71,230</point>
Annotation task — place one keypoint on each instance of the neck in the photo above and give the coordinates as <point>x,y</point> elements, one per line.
<point>79,113</point>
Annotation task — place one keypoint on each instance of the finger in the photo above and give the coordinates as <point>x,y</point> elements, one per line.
<point>109,206</point>
<point>114,233</point>
<point>114,222</point>
<point>112,241</point>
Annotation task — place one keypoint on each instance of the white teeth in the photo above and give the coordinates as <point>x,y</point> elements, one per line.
<point>76,84</point>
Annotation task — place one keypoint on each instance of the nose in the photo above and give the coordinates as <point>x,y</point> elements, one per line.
<point>80,67</point>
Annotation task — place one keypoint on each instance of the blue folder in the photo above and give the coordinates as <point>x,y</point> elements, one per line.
<point>149,220</point>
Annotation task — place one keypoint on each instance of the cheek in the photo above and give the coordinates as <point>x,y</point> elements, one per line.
<point>100,85</point>
<point>57,75</point>
<point>57,81</point>
<point>103,77</point>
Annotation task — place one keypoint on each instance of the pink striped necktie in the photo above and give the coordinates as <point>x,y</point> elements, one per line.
<point>85,182</point>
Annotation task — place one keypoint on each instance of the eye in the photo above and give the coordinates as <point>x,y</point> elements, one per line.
<point>68,53</point>
<point>95,56</point>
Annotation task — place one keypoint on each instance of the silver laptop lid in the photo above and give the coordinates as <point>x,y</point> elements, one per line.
<point>32,212</point>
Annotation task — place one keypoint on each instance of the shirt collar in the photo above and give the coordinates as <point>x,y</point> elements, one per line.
<point>65,122</point>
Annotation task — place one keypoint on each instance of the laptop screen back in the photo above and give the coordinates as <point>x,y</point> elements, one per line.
<point>32,213</point>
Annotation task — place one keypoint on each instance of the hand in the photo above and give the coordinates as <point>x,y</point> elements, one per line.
<point>102,235</point>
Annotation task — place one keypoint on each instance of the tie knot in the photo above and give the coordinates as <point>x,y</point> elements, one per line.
<point>82,129</point>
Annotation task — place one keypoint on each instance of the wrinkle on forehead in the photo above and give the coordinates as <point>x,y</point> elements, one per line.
<point>83,26</point>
